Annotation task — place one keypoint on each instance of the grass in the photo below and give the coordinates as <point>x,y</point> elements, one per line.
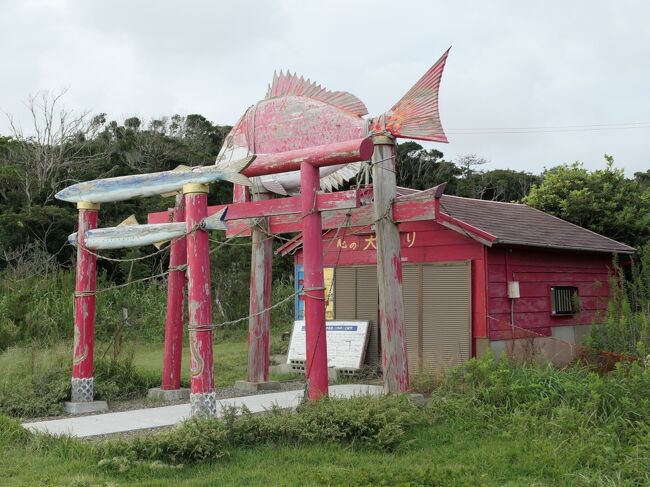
<point>35,379</point>
<point>485,424</point>
<point>230,362</point>
<point>445,453</point>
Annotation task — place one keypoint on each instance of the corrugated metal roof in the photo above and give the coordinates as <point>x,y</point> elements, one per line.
<point>517,224</point>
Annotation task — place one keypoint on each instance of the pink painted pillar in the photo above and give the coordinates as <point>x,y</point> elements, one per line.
<point>84,307</point>
<point>314,283</point>
<point>259,324</point>
<point>171,374</point>
<point>202,396</point>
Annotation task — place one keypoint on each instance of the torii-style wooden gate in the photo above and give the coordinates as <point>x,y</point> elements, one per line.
<point>299,126</point>
<point>352,208</point>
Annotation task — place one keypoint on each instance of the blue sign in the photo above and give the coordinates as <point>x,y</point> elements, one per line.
<point>338,328</point>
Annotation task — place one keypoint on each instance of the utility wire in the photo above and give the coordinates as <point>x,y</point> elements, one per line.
<point>550,128</point>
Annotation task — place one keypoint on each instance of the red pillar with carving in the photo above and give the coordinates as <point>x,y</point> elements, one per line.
<point>84,307</point>
<point>314,283</point>
<point>171,374</point>
<point>199,303</point>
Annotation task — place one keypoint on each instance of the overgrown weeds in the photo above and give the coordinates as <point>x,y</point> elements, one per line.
<point>40,308</point>
<point>625,331</point>
<point>35,380</point>
<point>617,402</point>
<point>377,423</point>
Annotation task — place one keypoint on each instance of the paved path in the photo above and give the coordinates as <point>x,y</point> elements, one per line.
<point>102,424</point>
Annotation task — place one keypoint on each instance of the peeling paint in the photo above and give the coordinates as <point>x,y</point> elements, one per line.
<point>199,295</point>
<point>84,302</point>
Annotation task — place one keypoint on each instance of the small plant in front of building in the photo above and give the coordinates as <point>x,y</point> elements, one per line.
<point>625,331</point>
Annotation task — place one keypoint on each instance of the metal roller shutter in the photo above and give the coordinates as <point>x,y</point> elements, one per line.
<point>355,298</point>
<point>345,295</point>
<point>437,311</point>
<point>367,309</point>
<point>446,315</point>
<point>411,284</point>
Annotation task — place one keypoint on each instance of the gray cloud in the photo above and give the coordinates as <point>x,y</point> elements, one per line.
<point>513,64</point>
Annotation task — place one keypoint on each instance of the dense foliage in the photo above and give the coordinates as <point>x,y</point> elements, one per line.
<point>604,200</point>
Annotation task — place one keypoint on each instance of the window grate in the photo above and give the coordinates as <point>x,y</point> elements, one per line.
<point>564,300</point>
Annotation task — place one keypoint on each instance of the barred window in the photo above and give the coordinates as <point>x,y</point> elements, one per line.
<point>564,300</point>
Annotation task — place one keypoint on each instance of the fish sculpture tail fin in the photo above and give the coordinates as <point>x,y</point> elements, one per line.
<point>416,115</point>
<point>216,220</point>
<point>234,171</point>
<point>236,178</point>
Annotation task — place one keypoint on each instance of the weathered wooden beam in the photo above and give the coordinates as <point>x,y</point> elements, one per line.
<point>466,229</point>
<point>340,200</point>
<point>318,156</point>
<point>259,323</point>
<point>389,268</point>
<point>408,208</point>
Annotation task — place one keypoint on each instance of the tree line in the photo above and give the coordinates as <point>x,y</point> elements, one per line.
<point>62,147</point>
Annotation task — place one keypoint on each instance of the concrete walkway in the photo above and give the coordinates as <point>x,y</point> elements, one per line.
<point>107,423</point>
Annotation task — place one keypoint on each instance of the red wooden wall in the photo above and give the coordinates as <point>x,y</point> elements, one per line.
<point>423,241</point>
<point>537,271</point>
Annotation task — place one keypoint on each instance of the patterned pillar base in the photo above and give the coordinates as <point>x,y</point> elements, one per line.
<point>203,405</point>
<point>82,389</point>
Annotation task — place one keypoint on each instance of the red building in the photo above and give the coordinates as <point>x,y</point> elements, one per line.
<point>479,275</point>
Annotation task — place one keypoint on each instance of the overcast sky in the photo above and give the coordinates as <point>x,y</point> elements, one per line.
<point>513,64</point>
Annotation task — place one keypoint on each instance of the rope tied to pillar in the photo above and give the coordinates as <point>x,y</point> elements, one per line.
<point>306,289</point>
<point>83,294</point>
<point>239,320</point>
<point>177,268</point>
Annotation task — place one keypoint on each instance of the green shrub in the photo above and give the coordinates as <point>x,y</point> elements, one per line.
<point>34,381</point>
<point>381,423</point>
<point>40,308</point>
<point>618,401</point>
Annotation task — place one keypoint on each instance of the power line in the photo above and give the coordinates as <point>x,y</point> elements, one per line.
<point>549,128</point>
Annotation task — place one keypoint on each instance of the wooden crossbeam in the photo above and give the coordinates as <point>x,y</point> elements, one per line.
<point>408,208</point>
<point>343,208</point>
<point>341,200</point>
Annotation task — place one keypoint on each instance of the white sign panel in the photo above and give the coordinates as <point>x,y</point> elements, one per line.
<point>346,343</point>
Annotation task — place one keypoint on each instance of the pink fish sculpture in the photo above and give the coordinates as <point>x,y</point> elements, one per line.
<point>297,114</point>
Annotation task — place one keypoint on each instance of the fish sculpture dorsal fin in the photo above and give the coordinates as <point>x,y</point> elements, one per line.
<point>291,85</point>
